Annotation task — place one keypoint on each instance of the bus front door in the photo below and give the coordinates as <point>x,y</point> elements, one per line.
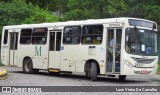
<point>114,50</point>
<point>13,48</point>
<point>54,49</point>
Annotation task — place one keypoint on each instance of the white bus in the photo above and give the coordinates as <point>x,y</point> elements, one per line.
<point>114,46</point>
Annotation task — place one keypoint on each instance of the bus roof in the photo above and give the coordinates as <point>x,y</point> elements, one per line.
<point>67,23</point>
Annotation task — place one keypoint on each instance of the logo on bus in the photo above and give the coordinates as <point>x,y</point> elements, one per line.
<point>38,51</point>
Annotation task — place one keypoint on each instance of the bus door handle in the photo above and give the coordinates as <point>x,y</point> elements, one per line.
<point>65,59</point>
<point>92,46</point>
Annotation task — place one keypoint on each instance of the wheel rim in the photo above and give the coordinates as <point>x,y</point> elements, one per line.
<point>27,66</point>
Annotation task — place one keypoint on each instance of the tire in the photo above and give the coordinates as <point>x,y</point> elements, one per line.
<point>28,66</point>
<point>93,71</point>
<point>122,77</point>
<point>111,75</point>
<point>54,73</point>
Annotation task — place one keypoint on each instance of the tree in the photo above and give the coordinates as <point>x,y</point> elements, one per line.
<point>40,16</point>
<point>51,5</point>
<point>93,9</point>
<point>15,12</point>
<point>86,9</point>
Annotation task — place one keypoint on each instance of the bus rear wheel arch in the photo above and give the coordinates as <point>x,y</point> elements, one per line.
<point>28,66</point>
<point>92,69</point>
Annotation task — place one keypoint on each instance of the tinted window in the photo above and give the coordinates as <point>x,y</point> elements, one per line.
<point>58,41</point>
<point>5,37</point>
<point>39,36</point>
<point>25,36</point>
<point>92,34</point>
<point>52,41</point>
<point>71,35</point>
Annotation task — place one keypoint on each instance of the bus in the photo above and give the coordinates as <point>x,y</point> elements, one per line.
<point>111,47</point>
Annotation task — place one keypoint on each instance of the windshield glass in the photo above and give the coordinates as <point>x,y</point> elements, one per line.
<point>141,41</point>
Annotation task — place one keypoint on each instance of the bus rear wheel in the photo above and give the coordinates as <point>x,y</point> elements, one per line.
<point>54,73</point>
<point>93,71</point>
<point>122,77</point>
<point>28,66</point>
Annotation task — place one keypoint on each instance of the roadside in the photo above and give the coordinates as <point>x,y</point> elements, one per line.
<point>3,72</point>
<point>158,69</point>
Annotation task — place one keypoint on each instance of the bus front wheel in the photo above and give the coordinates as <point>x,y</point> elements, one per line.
<point>28,66</point>
<point>122,77</point>
<point>93,71</point>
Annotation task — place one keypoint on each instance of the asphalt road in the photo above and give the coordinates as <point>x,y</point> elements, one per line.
<point>17,78</point>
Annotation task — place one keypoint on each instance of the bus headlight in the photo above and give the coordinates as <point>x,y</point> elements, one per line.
<point>128,63</point>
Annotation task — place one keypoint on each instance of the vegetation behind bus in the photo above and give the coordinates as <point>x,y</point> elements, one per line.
<point>19,12</point>
<point>38,11</point>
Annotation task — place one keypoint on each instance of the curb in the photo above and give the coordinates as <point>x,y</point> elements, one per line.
<point>3,74</point>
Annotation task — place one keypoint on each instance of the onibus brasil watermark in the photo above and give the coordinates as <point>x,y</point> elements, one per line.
<point>21,89</point>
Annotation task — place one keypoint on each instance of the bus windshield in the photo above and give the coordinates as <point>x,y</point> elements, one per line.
<point>141,41</point>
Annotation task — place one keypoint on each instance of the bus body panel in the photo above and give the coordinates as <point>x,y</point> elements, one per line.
<point>74,57</point>
<point>38,54</point>
<point>5,55</point>
<point>4,50</point>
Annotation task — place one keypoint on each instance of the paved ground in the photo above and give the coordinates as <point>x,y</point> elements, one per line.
<point>17,78</point>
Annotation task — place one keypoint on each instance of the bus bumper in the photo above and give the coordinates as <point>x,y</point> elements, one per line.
<point>138,71</point>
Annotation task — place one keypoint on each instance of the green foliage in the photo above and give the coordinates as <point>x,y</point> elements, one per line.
<point>76,14</point>
<point>92,9</point>
<point>152,12</point>
<point>16,12</point>
<point>38,11</point>
<point>39,16</point>
<point>51,5</point>
<point>85,9</point>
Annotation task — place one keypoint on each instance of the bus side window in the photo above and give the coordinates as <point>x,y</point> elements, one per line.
<point>92,34</point>
<point>5,40</point>
<point>71,35</point>
<point>39,36</point>
<point>25,37</point>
